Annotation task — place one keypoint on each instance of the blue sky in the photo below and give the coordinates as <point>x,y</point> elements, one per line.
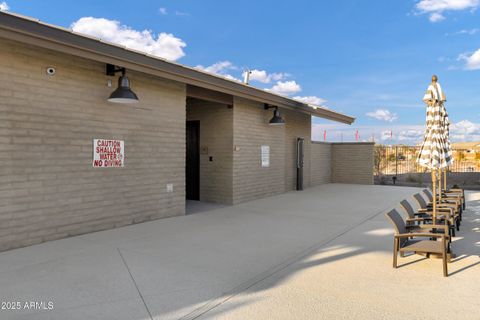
<point>370,59</point>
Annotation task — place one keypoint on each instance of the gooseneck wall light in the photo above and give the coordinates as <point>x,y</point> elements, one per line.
<point>276,120</point>
<point>123,94</point>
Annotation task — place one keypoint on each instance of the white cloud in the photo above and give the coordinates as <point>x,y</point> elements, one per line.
<point>444,5</point>
<point>230,77</point>
<point>265,77</point>
<point>472,60</point>
<point>164,45</point>
<point>4,6</point>
<point>181,14</point>
<point>314,100</point>
<point>409,135</point>
<point>462,131</point>
<point>285,88</point>
<point>465,130</point>
<point>383,114</point>
<point>435,8</point>
<point>220,68</point>
<point>163,11</point>
<point>405,134</point>
<point>469,32</point>
<point>436,17</point>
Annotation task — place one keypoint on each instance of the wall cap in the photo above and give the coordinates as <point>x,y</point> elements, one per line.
<point>355,143</point>
<point>344,143</point>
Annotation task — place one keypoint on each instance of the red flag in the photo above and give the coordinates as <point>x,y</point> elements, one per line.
<point>324,135</point>
<point>357,136</point>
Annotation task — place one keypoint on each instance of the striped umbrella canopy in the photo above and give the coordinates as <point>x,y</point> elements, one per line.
<point>435,153</point>
<point>446,124</point>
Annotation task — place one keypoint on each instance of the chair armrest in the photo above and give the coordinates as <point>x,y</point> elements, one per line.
<point>451,200</point>
<point>427,235</point>
<point>445,209</point>
<point>415,219</point>
<point>453,194</point>
<point>439,213</point>
<point>433,226</point>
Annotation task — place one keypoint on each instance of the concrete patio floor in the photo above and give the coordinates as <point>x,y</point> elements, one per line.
<point>324,253</point>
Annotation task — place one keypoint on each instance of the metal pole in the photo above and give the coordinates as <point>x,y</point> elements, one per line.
<point>434,187</point>
<point>439,185</point>
<point>445,179</point>
<point>396,160</point>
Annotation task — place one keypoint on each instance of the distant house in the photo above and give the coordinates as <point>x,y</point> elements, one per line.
<point>469,147</point>
<point>468,155</point>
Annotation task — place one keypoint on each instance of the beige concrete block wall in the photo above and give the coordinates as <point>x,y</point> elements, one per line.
<point>250,132</point>
<point>321,163</point>
<point>216,137</point>
<point>48,188</point>
<point>297,125</point>
<point>352,163</point>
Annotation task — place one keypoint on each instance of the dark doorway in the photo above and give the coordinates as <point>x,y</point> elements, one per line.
<point>300,155</point>
<point>192,166</point>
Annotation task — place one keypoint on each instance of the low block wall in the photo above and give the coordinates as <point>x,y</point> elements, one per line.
<point>352,162</point>
<point>321,163</point>
<point>342,162</point>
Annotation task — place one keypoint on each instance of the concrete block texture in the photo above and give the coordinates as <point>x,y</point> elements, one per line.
<point>352,163</point>
<point>48,186</point>
<point>250,132</point>
<point>321,163</point>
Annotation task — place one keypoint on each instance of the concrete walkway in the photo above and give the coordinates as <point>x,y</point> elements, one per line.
<point>324,253</point>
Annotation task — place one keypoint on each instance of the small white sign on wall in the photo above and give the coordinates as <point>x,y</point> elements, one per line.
<point>108,153</point>
<point>265,155</point>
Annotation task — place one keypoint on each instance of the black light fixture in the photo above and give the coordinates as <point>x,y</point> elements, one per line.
<point>277,120</point>
<point>123,94</point>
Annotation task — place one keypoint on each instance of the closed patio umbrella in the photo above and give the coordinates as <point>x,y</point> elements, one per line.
<point>446,124</point>
<point>435,153</point>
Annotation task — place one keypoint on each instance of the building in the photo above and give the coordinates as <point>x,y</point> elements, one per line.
<point>191,135</point>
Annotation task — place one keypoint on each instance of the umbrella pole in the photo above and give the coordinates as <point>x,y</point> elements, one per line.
<point>434,185</point>
<point>445,179</point>
<point>439,185</point>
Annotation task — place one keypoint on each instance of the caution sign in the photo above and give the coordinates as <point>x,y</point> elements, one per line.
<point>108,153</point>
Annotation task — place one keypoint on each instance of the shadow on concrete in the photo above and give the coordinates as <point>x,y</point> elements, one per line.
<point>464,245</point>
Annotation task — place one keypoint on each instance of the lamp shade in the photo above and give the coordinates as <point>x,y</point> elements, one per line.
<point>277,120</point>
<point>123,94</point>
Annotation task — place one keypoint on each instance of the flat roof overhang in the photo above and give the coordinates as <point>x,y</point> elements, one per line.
<point>34,32</point>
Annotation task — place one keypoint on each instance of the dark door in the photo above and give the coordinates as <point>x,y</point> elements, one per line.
<point>192,166</point>
<point>300,142</point>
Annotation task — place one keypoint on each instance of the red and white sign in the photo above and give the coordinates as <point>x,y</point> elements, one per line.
<point>108,153</point>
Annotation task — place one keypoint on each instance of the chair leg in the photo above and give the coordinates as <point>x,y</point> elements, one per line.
<point>450,231</point>
<point>445,271</point>
<point>395,252</point>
